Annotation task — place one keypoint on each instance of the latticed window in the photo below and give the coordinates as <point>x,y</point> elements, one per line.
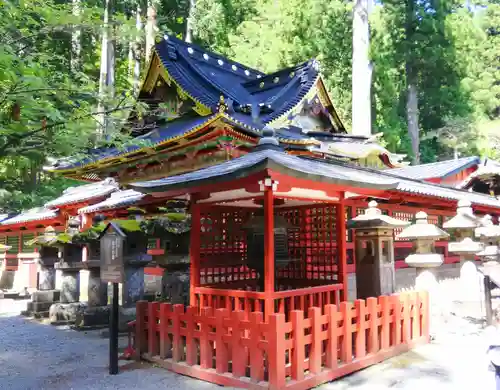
<point>13,242</point>
<point>25,248</point>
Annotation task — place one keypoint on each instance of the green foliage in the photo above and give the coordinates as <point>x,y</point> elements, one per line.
<point>48,105</point>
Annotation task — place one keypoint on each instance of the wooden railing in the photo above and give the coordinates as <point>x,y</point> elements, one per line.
<point>223,347</point>
<point>282,301</point>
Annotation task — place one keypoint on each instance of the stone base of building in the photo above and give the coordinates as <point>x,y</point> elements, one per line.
<point>66,313</point>
<point>40,304</point>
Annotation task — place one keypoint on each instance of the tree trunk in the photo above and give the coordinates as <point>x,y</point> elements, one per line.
<point>411,82</point>
<point>76,36</point>
<point>107,76</point>
<point>361,69</point>
<point>412,118</point>
<point>137,51</point>
<point>151,28</point>
<point>189,24</point>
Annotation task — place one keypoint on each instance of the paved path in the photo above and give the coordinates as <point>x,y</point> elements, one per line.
<point>36,356</point>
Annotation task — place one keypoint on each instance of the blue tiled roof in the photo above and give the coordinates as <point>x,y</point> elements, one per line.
<point>207,76</point>
<point>440,169</point>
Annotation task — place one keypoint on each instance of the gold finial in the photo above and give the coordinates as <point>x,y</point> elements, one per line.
<point>221,99</point>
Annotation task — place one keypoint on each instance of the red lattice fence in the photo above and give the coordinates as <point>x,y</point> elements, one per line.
<point>223,347</point>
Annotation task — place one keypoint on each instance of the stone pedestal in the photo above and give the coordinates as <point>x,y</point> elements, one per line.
<point>47,295</point>
<point>133,288</point>
<point>96,311</point>
<point>69,305</point>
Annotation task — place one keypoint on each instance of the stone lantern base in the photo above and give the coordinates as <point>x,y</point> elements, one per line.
<point>426,270</point>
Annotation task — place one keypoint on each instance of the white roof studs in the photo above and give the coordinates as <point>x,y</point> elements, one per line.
<point>190,50</point>
<point>206,57</point>
<point>247,72</point>
<point>220,62</point>
<point>234,67</point>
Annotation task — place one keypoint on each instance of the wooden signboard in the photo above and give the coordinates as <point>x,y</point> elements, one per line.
<point>112,269</point>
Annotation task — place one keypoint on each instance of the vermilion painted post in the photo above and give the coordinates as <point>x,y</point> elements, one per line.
<point>221,355</point>
<point>424,298</point>
<point>360,342</point>
<point>190,342</point>
<point>238,354</point>
<point>346,347</point>
<point>332,353</point>
<point>373,326</point>
<point>194,250</point>
<point>315,353</point>
<point>206,352</point>
<point>415,315</point>
<point>276,352</point>
<point>268,250</point>
<point>177,347</point>
<point>385,335</point>
<point>140,328</point>
<point>396,326</point>
<point>256,355</point>
<point>340,224</point>
<point>153,308</point>
<point>406,328</point>
<point>298,352</point>
<point>165,344</point>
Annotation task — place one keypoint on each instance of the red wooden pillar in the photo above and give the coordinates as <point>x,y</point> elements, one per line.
<point>194,250</point>
<point>268,250</point>
<point>340,222</point>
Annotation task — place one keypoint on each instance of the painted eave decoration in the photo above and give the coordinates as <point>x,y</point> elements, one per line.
<point>36,214</point>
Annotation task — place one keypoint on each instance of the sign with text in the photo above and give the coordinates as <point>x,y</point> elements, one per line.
<point>112,269</point>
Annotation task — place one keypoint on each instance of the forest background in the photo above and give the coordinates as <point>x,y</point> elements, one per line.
<point>58,97</point>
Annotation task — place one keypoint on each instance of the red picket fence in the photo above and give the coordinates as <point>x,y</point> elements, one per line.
<point>223,347</point>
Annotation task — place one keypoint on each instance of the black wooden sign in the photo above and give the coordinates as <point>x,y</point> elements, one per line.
<point>112,269</point>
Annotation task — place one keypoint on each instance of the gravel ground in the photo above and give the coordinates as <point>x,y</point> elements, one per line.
<point>38,356</point>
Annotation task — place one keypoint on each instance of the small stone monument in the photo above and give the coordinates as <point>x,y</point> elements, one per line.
<point>374,251</point>
<point>46,295</point>
<point>462,227</point>
<point>424,257</point>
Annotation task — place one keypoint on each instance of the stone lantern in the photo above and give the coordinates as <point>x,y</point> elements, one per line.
<point>374,252</point>
<point>424,257</point>
<point>463,226</point>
